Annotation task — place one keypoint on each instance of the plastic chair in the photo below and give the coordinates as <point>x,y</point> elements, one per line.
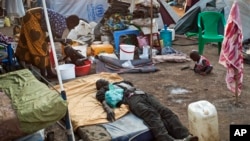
<point>117,34</point>
<point>208,24</point>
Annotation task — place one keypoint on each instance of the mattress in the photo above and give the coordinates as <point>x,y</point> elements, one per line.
<point>126,128</point>
<point>89,118</point>
<point>84,108</point>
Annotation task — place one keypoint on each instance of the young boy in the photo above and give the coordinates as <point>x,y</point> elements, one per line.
<point>202,64</point>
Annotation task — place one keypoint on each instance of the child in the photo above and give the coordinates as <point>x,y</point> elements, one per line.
<point>202,64</point>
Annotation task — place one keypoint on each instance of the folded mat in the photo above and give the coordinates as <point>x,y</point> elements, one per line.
<point>27,105</point>
<point>84,109</point>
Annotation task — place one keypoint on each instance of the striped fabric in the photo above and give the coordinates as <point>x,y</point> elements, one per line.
<point>231,55</point>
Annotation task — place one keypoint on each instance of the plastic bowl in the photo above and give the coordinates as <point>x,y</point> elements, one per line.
<point>83,70</point>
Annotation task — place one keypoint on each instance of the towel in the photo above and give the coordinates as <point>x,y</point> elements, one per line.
<point>231,55</point>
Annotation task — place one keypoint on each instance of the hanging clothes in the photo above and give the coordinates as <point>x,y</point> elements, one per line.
<point>231,55</point>
<point>15,8</point>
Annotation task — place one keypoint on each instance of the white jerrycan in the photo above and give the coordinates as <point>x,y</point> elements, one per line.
<point>203,120</point>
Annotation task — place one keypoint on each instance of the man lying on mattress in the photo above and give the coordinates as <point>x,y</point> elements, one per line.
<point>164,124</point>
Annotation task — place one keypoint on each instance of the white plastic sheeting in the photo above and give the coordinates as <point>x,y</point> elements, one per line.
<point>90,10</point>
<point>186,22</point>
<point>244,6</point>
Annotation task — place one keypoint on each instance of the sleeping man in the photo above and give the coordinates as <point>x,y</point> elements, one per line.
<point>164,124</point>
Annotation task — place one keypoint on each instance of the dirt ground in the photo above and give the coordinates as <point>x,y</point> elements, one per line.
<point>170,76</point>
<point>196,87</point>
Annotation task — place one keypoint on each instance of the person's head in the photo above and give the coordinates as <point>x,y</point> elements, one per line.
<point>194,55</point>
<point>72,21</point>
<point>101,83</point>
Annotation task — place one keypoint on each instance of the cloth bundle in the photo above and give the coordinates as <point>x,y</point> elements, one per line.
<point>117,17</point>
<point>118,7</point>
<point>142,9</point>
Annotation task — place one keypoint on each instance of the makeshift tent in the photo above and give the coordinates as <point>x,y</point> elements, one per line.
<point>89,10</point>
<point>168,15</point>
<point>94,10</point>
<point>188,23</point>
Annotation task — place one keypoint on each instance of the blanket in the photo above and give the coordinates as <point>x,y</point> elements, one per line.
<point>112,65</point>
<point>84,108</point>
<point>27,105</point>
<point>175,58</point>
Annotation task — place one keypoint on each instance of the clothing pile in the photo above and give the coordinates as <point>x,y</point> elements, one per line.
<point>109,64</point>
<point>118,7</point>
<point>168,54</point>
<point>142,10</point>
<point>117,17</point>
<point>5,39</point>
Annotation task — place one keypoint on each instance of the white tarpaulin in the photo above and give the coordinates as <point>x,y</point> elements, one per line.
<point>90,10</point>
<point>244,6</point>
<point>188,22</point>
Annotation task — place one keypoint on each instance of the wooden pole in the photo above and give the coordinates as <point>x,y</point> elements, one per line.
<point>151,29</point>
<point>236,76</point>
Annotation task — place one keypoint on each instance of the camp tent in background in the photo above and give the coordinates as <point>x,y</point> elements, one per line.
<point>89,10</point>
<point>188,23</point>
<point>168,15</point>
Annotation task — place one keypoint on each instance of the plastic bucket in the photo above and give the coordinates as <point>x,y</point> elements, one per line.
<point>127,52</point>
<point>67,71</point>
<point>203,120</point>
<point>83,70</point>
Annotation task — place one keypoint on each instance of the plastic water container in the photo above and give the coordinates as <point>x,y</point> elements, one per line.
<point>1,22</point>
<point>166,36</point>
<point>67,71</point>
<point>203,120</point>
<point>127,52</point>
<point>145,53</point>
<point>173,33</point>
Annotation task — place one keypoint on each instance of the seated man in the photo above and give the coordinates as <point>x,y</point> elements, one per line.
<point>164,124</point>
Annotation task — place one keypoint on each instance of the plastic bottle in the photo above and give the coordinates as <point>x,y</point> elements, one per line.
<point>6,21</point>
<point>203,120</point>
<point>166,36</point>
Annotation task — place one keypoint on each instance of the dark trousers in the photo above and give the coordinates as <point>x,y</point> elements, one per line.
<point>164,124</point>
